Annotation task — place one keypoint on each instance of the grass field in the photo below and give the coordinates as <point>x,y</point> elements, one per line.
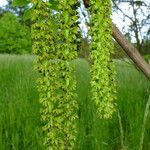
<point>20,127</point>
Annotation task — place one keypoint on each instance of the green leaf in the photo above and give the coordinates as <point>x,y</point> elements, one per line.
<point>54,4</point>
<point>20,2</point>
<point>27,14</point>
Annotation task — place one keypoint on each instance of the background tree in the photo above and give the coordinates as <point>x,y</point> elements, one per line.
<point>14,37</point>
<point>18,11</point>
<point>138,16</point>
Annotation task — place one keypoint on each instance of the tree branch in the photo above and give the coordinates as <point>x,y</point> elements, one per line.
<point>130,50</point>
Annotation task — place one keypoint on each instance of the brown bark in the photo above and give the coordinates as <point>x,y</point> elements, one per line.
<point>130,50</point>
<point>86,3</point>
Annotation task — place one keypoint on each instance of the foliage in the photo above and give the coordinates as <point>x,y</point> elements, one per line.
<point>18,10</point>
<point>20,2</point>
<point>118,51</point>
<point>147,58</point>
<point>14,37</point>
<point>146,47</point>
<point>27,8</point>
<point>102,68</point>
<point>57,83</point>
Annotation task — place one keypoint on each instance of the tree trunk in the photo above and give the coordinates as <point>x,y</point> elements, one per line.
<point>130,50</point>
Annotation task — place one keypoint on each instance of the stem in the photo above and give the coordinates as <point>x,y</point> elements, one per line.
<point>144,124</point>
<point>121,132</point>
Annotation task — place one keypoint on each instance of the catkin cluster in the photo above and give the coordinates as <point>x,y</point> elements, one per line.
<point>54,35</point>
<point>101,47</point>
<point>55,42</point>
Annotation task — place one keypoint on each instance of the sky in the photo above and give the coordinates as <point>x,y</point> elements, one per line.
<point>3,2</point>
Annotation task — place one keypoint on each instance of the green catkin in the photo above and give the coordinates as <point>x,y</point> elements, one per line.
<point>56,83</point>
<point>102,68</point>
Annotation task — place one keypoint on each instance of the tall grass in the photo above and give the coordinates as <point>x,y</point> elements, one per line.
<point>19,107</point>
<point>20,127</point>
<point>133,92</point>
<point>144,124</point>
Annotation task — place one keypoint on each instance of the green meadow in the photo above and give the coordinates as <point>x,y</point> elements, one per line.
<point>20,125</point>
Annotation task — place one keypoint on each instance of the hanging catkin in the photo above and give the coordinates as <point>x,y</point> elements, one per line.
<point>101,47</point>
<point>54,41</point>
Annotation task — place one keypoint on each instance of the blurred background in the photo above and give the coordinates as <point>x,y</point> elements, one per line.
<point>20,125</point>
<point>132,18</point>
